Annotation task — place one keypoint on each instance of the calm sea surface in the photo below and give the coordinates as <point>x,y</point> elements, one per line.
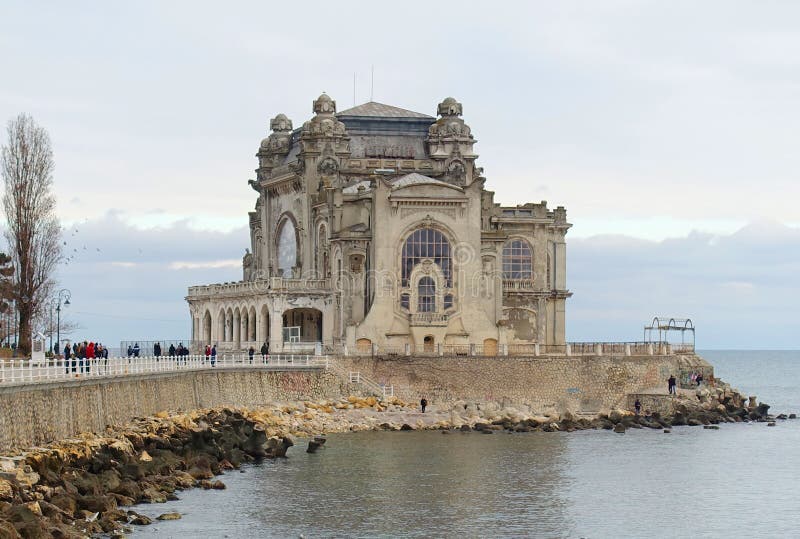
<point>739,481</point>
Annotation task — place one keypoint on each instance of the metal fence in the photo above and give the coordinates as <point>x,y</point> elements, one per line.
<point>20,371</point>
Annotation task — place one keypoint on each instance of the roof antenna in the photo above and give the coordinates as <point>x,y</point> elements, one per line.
<point>354,88</point>
<point>372,83</point>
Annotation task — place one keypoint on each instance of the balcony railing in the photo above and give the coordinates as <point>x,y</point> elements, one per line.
<point>279,283</point>
<point>517,284</point>
<point>428,319</point>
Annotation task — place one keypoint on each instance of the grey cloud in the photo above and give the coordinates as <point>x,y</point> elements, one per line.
<point>740,289</point>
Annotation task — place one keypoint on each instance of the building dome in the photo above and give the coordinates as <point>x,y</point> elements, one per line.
<point>324,104</point>
<point>280,123</point>
<point>450,107</point>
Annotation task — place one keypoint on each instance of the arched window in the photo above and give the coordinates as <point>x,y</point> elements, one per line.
<point>287,249</point>
<point>426,243</point>
<point>426,294</point>
<point>517,260</point>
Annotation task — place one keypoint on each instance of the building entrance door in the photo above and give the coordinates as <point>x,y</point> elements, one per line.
<point>428,344</point>
<point>490,347</point>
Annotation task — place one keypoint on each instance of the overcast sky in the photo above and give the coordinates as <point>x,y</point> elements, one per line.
<point>668,130</point>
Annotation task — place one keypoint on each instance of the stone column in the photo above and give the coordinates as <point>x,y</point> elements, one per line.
<point>275,331</point>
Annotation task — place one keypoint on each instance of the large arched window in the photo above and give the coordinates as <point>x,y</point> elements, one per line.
<point>426,243</point>
<point>426,294</point>
<point>287,249</point>
<point>517,260</point>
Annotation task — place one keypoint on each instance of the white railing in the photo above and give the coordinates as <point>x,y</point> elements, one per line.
<point>381,390</point>
<point>19,371</point>
<point>614,349</point>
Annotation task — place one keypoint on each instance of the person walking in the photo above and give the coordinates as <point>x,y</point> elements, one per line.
<point>251,352</point>
<point>699,379</point>
<point>671,387</point>
<point>105,359</point>
<point>157,350</point>
<point>208,353</point>
<point>214,355</point>
<point>423,403</point>
<point>67,355</point>
<point>171,350</point>
<point>89,357</point>
<point>637,406</point>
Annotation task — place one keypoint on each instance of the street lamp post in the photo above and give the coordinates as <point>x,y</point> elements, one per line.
<point>64,296</point>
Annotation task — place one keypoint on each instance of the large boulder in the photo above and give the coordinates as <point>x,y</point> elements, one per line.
<point>277,446</point>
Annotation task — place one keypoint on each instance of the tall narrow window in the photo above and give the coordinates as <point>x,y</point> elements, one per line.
<point>517,260</point>
<point>426,243</point>
<point>426,293</point>
<point>322,252</point>
<point>287,249</point>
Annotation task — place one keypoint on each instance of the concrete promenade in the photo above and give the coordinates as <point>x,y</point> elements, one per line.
<point>19,371</point>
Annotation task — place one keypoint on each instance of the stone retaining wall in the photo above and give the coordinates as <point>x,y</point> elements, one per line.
<point>545,384</point>
<point>36,414</point>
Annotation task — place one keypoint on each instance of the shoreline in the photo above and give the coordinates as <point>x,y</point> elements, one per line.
<point>79,486</point>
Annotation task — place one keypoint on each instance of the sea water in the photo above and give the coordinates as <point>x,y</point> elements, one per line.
<point>741,480</point>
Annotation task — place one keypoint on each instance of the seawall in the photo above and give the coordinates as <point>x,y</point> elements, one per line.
<point>35,414</point>
<point>578,384</point>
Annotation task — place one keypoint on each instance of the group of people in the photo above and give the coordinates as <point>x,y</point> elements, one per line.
<point>172,351</point>
<point>264,352</point>
<point>696,377</point>
<point>79,356</point>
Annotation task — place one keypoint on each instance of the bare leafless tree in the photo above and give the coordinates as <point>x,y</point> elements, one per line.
<point>33,231</point>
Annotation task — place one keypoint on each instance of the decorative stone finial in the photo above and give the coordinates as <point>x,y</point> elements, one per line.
<point>324,105</point>
<point>280,123</point>
<point>450,107</point>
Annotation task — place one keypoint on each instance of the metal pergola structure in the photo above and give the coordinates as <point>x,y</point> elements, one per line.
<point>665,326</point>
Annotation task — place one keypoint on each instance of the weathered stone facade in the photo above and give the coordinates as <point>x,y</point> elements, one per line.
<point>373,227</point>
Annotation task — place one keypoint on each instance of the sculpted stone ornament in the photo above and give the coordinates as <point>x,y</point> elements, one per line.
<point>456,172</point>
<point>280,124</point>
<point>450,107</point>
<point>247,265</point>
<point>328,166</point>
<point>325,122</point>
<point>449,124</point>
<point>280,138</point>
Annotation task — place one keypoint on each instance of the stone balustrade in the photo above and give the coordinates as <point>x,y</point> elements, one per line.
<point>258,286</point>
<point>517,284</point>
<point>573,349</point>
<point>428,319</point>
